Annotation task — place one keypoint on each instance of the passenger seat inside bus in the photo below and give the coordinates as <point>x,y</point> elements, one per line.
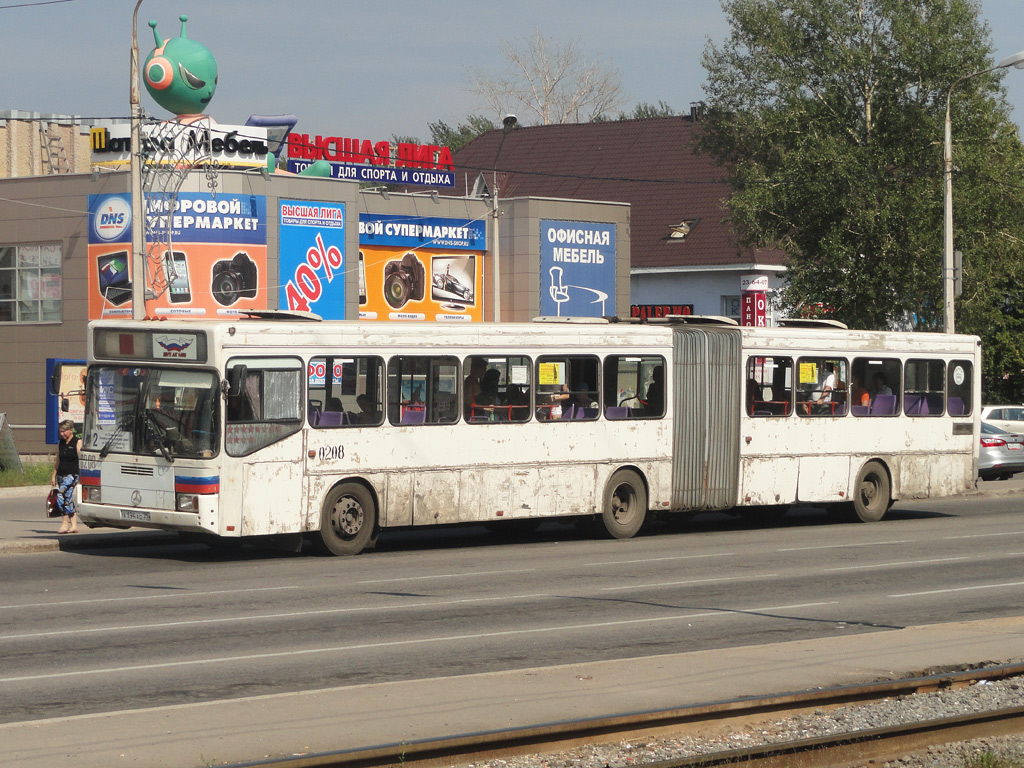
<point>412,415</point>
<point>333,419</point>
<point>884,405</point>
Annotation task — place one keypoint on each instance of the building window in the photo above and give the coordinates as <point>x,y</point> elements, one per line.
<point>731,307</point>
<point>30,283</point>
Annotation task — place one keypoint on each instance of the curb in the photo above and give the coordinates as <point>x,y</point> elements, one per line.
<point>78,541</point>
<point>137,538</point>
<point>24,492</point>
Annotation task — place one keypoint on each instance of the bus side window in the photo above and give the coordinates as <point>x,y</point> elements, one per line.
<point>634,387</point>
<point>959,388</point>
<point>881,378</point>
<point>924,384</point>
<point>567,388</point>
<point>823,384</point>
<point>769,387</point>
<point>496,389</point>
<point>345,391</point>
<point>423,390</point>
<point>268,405</point>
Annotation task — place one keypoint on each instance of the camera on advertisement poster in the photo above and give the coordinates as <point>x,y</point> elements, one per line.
<point>234,279</point>
<point>404,281</point>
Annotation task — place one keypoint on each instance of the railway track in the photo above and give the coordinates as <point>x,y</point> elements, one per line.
<point>857,747</point>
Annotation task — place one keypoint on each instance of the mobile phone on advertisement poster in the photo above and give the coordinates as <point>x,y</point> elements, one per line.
<point>178,285</point>
<point>362,279</point>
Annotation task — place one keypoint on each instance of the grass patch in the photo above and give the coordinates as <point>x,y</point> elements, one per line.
<point>993,760</point>
<point>35,473</point>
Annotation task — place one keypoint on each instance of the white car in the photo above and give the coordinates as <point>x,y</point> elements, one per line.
<point>1009,418</point>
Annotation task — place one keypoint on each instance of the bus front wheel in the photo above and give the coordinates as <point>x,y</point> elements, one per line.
<point>871,493</point>
<point>348,521</point>
<point>625,505</point>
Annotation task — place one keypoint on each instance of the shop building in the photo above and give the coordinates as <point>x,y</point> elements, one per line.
<point>246,239</point>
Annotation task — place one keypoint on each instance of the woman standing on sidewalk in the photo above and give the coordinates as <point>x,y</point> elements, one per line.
<point>65,476</point>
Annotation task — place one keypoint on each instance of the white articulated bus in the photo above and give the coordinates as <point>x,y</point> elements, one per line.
<point>336,430</point>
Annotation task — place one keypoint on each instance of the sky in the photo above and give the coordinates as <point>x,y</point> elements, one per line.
<point>370,69</point>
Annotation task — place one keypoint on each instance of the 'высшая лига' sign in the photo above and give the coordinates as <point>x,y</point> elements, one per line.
<point>362,160</point>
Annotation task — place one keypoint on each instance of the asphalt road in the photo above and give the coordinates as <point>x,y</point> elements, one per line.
<point>97,630</point>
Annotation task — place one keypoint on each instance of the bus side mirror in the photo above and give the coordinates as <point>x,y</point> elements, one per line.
<point>65,406</point>
<point>236,376</point>
<point>55,379</point>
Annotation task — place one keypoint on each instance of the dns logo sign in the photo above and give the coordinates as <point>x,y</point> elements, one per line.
<point>111,219</point>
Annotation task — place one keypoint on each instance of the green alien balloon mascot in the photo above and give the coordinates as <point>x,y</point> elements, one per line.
<point>181,74</point>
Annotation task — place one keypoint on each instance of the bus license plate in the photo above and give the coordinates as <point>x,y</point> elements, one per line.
<point>135,514</point>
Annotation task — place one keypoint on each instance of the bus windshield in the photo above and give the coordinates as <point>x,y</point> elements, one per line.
<point>165,412</point>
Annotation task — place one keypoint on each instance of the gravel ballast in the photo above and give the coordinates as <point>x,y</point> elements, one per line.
<point>980,697</point>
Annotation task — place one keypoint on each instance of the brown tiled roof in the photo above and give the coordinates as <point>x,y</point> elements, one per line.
<point>650,164</point>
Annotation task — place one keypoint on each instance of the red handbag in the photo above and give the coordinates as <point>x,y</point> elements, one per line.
<point>52,510</point>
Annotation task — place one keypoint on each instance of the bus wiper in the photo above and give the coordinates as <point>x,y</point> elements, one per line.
<point>162,435</point>
<point>120,427</point>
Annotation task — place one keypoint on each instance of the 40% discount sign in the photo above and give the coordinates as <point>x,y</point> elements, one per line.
<point>306,285</point>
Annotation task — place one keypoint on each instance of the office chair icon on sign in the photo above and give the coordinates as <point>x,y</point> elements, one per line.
<point>560,293</point>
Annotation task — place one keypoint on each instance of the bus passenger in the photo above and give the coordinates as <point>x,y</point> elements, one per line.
<point>488,394</point>
<point>471,386</point>
<point>821,398</point>
<point>881,382</point>
<point>368,413</point>
<point>656,392</point>
<point>860,395</point>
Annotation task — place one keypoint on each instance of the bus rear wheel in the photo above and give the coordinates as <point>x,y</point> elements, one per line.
<point>348,521</point>
<point>625,505</point>
<point>871,493</point>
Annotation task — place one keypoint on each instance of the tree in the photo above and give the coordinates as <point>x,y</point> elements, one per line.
<point>829,117</point>
<point>443,135</point>
<point>547,83</point>
<point>643,111</point>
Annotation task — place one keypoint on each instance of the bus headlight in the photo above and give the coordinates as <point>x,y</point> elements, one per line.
<point>91,494</point>
<point>187,502</point>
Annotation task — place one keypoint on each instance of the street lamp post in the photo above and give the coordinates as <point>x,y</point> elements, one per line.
<point>138,208</point>
<point>948,325</point>
<point>509,124</point>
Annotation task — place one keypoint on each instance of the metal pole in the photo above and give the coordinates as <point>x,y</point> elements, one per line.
<point>497,254</point>
<point>509,124</point>
<point>138,206</point>
<point>948,324</point>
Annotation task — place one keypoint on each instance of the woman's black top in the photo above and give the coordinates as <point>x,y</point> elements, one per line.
<point>67,457</point>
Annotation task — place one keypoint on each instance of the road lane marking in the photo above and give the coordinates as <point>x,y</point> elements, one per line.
<point>984,535</point>
<point>445,576</point>
<point>690,581</point>
<point>656,559</point>
<point>848,546</point>
<point>960,589</point>
<point>267,617</point>
<point>185,593</point>
<point>730,612</point>
<point>897,563</point>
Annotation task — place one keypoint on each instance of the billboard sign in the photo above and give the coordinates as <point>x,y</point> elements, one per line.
<point>212,261</point>
<point>420,268</point>
<point>577,269</point>
<point>312,257</point>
